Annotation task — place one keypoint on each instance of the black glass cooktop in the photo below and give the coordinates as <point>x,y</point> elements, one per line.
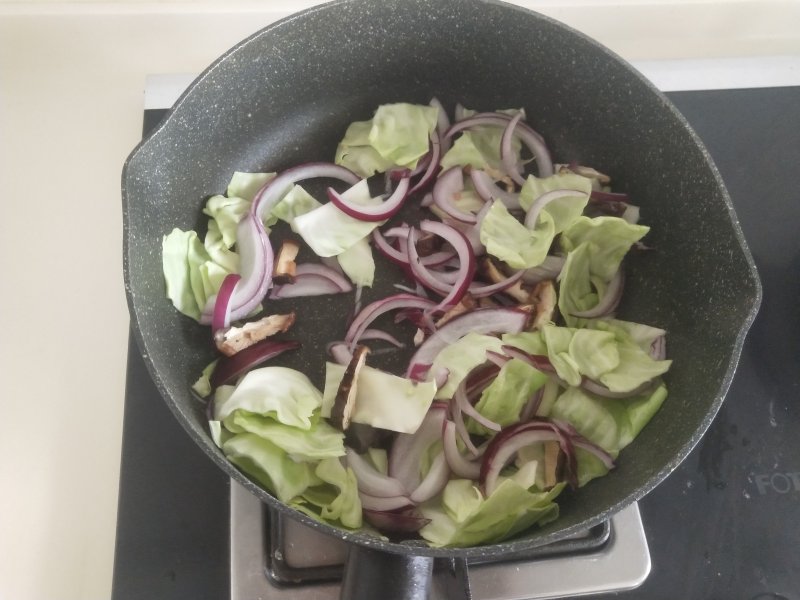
<point>725,525</point>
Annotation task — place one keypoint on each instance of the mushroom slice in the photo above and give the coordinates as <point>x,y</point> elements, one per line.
<point>285,266</point>
<point>466,304</point>
<point>233,339</point>
<point>490,270</point>
<point>553,463</point>
<point>344,403</point>
<point>544,299</point>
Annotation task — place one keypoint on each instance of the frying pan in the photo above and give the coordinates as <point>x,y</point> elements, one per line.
<point>285,96</point>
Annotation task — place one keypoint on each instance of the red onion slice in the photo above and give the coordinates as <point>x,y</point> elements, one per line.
<point>549,269</point>
<point>500,453</point>
<point>384,336</point>
<point>407,449</point>
<point>449,185</point>
<point>374,310</point>
<point>480,320</point>
<point>433,164</point>
<point>434,482</point>
<point>507,155</point>
<point>466,262</point>
<point>222,305</point>
<point>382,504</point>
<point>610,196</point>
<point>458,463</point>
<point>528,136</point>
<point>370,480</point>
<point>536,208</point>
<point>231,367</point>
<point>312,279</point>
<point>488,190</point>
<point>275,189</point>
<point>400,257</point>
<point>465,406</point>
<point>487,290</point>
<point>379,212</point>
<point>340,352</point>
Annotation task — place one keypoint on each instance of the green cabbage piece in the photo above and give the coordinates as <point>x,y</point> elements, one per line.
<point>466,518</point>
<point>286,395</point>
<point>564,211</point>
<point>510,241</point>
<point>382,400</point>
<point>480,147</point>
<point>576,292</point>
<point>356,153</point>
<point>398,135</point>
<point>610,423</point>
<point>459,358</point>
<point>270,466</point>
<point>319,442</point>
<point>246,185</point>
<point>612,358</point>
<point>329,231</point>
<point>401,132</point>
<point>226,213</point>
<point>190,274</point>
<point>218,251</point>
<point>503,400</point>
<point>610,238</point>
<point>358,263</point>
<point>202,387</point>
<point>336,499</point>
<point>296,202</point>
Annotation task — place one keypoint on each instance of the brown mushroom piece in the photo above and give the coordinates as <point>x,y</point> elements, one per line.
<point>234,339</point>
<point>345,400</point>
<point>466,304</point>
<point>544,299</point>
<point>285,267</point>
<point>490,270</point>
<point>553,463</point>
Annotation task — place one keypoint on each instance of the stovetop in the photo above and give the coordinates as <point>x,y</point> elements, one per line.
<point>725,524</point>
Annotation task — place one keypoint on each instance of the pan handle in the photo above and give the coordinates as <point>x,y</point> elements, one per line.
<point>371,574</point>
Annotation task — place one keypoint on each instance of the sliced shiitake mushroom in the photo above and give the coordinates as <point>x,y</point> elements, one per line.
<point>234,339</point>
<point>466,304</point>
<point>553,463</point>
<point>285,266</point>
<point>344,403</point>
<point>493,273</point>
<point>544,300</point>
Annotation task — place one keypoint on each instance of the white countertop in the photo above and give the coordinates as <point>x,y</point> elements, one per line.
<point>71,95</point>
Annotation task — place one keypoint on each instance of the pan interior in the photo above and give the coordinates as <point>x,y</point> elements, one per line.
<point>286,95</point>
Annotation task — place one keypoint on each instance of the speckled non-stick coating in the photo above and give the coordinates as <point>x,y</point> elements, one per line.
<point>286,95</point>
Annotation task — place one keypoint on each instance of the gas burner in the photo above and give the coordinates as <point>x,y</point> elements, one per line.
<point>274,558</point>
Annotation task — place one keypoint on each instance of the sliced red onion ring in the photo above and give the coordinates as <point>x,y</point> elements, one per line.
<point>459,464</point>
<point>384,336</point>
<point>435,154</point>
<point>500,453</point>
<point>507,154</point>
<point>447,187</point>
<point>312,280</point>
<point>488,190</point>
<point>488,290</point>
<point>434,482</point>
<point>466,261</point>
<point>532,406</point>
<point>610,300</point>
<point>222,305</point>
<point>536,208</point>
<point>381,504</point>
<point>597,388</point>
<point>528,136</point>
<point>395,522</point>
<point>370,480</point>
<point>374,310</point>
<point>461,428</point>
<point>658,349</point>
<point>275,189</point>
<point>340,352</point>
<point>466,408</point>
<point>442,124</point>
<point>407,450</point>
<point>480,320</point>
<point>231,367</point>
<point>379,212</point>
<point>401,258</point>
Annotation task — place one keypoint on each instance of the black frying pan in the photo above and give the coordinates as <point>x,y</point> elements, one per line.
<point>285,96</point>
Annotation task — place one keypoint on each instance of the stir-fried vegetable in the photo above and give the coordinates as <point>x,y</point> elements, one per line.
<point>521,383</point>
